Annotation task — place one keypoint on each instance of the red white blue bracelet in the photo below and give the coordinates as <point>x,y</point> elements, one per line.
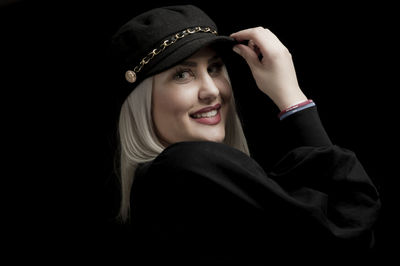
<point>295,108</point>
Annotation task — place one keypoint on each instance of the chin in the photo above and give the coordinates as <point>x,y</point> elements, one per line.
<point>214,138</point>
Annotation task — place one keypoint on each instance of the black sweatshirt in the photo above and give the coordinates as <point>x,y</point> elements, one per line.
<point>205,203</point>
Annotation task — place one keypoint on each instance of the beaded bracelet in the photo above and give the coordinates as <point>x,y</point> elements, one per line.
<point>295,108</point>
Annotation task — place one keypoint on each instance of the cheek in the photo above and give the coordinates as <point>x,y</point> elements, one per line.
<point>169,111</point>
<point>225,89</point>
<point>166,104</point>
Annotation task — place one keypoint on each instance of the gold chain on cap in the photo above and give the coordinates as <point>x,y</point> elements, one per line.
<point>130,75</point>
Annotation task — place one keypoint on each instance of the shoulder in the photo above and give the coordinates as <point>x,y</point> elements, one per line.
<point>204,157</point>
<point>199,160</point>
<point>194,152</point>
<point>199,148</point>
<point>198,174</point>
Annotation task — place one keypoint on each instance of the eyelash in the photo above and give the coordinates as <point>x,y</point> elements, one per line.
<point>218,66</point>
<point>179,71</point>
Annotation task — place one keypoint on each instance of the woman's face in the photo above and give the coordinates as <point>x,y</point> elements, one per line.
<point>190,100</point>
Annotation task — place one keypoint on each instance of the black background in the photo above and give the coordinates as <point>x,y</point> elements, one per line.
<point>58,88</point>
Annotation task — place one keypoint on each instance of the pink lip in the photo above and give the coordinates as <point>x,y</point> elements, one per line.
<point>207,109</point>
<point>209,120</point>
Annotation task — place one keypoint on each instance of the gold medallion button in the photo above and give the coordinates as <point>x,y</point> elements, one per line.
<point>130,76</point>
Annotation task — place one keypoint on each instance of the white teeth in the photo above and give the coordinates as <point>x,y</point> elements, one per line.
<point>207,114</point>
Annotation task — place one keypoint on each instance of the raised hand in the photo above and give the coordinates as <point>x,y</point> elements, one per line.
<point>271,65</point>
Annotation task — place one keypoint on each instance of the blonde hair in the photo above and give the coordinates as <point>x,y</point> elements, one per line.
<point>139,142</point>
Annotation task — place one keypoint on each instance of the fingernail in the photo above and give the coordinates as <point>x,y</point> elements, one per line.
<point>236,50</point>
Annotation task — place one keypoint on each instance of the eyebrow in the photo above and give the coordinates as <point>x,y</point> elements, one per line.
<point>194,64</point>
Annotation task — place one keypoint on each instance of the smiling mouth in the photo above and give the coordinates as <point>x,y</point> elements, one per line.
<point>209,115</point>
<point>207,111</point>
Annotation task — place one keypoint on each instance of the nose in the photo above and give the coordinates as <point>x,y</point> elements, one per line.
<point>208,91</point>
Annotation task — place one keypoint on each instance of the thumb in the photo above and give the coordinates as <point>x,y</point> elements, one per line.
<point>247,53</point>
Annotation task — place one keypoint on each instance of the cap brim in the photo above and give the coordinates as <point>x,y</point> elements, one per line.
<point>185,48</point>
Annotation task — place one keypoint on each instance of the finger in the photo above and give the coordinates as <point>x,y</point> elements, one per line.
<point>255,48</point>
<point>248,34</point>
<point>258,38</point>
<point>247,53</point>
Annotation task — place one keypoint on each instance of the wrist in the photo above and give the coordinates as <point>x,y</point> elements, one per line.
<point>286,102</point>
<point>295,108</point>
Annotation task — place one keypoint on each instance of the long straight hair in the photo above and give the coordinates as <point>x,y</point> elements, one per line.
<point>139,142</point>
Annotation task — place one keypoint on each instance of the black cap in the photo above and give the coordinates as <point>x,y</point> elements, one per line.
<point>161,38</point>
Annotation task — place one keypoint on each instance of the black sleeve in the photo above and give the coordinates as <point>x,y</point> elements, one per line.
<point>213,202</point>
<point>304,128</point>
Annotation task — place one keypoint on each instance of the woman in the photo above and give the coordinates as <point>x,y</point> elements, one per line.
<point>190,191</point>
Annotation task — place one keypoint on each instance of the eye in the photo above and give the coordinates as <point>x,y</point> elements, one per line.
<point>215,68</point>
<point>183,75</point>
